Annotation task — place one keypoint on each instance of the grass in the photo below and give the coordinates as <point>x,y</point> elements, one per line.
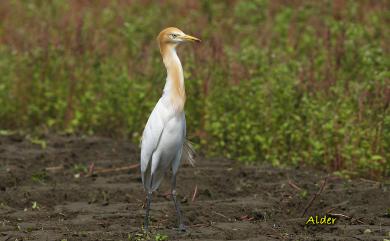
<point>80,168</point>
<point>143,236</point>
<point>40,177</point>
<point>283,82</point>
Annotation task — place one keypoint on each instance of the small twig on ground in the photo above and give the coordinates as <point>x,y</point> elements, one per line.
<point>315,196</point>
<point>340,215</point>
<point>116,169</point>
<point>368,180</point>
<point>54,169</point>
<point>330,210</point>
<point>293,185</point>
<point>200,225</point>
<point>345,216</point>
<point>221,215</point>
<point>246,218</point>
<point>195,193</point>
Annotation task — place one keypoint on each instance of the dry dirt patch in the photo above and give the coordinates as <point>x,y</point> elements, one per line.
<point>42,197</point>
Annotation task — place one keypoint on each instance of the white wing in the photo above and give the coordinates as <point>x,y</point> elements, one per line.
<point>151,135</point>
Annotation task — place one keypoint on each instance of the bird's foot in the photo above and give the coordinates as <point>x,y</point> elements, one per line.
<point>181,228</point>
<point>145,227</point>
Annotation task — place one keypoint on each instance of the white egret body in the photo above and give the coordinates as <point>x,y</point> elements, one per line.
<point>164,137</point>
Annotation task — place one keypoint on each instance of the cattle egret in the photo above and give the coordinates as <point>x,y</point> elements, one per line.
<point>164,142</point>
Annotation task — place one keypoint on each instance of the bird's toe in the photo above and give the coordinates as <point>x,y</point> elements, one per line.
<point>182,228</point>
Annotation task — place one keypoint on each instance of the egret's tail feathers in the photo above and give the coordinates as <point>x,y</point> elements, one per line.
<point>188,153</point>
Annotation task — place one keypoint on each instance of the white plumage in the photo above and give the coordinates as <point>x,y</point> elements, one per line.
<point>162,143</point>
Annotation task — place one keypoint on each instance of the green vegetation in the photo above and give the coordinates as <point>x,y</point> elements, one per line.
<point>37,141</point>
<point>35,205</point>
<point>40,177</point>
<point>143,236</point>
<point>283,82</point>
<point>80,168</point>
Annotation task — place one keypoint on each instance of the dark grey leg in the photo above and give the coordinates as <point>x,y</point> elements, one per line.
<point>177,205</point>
<point>148,201</point>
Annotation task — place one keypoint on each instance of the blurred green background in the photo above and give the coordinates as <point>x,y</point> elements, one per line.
<point>287,82</point>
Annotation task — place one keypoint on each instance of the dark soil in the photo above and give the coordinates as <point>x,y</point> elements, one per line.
<point>43,197</point>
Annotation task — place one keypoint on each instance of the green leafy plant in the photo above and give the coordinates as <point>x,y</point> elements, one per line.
<point>80,168</point>
<point>40,177</point>
<point>35,205</point>
<point>161,237</point>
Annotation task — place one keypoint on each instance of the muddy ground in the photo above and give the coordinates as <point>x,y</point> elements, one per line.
<point>46,193</point>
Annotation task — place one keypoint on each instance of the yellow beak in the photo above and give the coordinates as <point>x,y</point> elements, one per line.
<point>190,38</point>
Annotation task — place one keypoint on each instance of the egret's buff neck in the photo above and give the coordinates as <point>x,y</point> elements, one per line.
<point>174,86</point>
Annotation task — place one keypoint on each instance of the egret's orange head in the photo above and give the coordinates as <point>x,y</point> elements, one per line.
<point>171,37</point>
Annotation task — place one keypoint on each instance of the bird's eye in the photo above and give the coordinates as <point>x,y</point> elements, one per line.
<point>173,35</point>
